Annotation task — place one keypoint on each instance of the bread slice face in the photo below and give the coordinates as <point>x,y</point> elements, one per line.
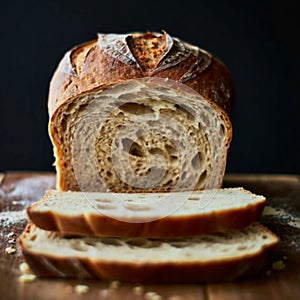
<point>122,122</point>
<point>155,215</point>
<point>205,258</point>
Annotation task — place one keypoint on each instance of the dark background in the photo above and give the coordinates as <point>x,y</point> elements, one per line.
<point>257,41</point>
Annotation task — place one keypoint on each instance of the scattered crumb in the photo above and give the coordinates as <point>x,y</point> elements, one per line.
<point>278,265</point>
<point>10,250</point>
<point>11,241</point>
<point>14,202</point>
<point>81,289</point>
<point>138,290</point>
<point>270,211</point>
<point>284,257</point>
<point>269,272</point>
<point>27,278</point>
<point>114,285</point>
<point>294,223</point>
<point>10,235</point>
<point>152,296</point>
<point>24,268</point>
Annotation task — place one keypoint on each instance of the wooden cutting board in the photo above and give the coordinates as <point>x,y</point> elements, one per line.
<point>282,215</point>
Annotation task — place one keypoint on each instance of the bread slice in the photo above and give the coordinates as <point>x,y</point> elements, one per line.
<point>146,214</point>
<point>205,258</point>
<point>140,112</point>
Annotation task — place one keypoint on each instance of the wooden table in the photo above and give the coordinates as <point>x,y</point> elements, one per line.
<point>18,190</point>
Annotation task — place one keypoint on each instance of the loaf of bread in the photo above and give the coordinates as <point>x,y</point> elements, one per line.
<point>154,215</point>
<point>140,112</point>
<point>205,258</point>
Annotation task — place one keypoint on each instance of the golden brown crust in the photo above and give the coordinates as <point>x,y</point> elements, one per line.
<point>104,225</point>
<point>90,66</point>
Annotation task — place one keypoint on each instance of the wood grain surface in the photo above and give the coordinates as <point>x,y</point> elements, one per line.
<point>282,215</point>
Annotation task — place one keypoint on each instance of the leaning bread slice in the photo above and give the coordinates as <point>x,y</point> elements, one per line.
<point>154,215</point>
<point>205,258</point>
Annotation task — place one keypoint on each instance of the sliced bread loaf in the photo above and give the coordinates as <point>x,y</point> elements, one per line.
<point>153,215</point>
<point>140,112</point>
<point>205,258</point>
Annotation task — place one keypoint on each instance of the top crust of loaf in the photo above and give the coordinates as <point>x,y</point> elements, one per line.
<point>114,58</point>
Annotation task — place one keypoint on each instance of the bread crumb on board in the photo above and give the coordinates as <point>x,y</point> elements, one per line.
<point>27,278</point>
<point>24,268</point>
<point>82,289</point>
<point>152,296</point>
<point>10,235</point>
<point>278,265</point>
<point>138,290</point>
<point>115,285</point>
<point>10,250</point>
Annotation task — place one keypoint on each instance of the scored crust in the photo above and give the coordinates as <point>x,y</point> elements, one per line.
<point>179,87</point>
<point>89,66</point>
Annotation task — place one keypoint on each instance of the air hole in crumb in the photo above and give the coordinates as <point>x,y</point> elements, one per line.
<point>265,237</point>
<point>170,149</point>
<point>106,206</point>
<point>136,207</point>
<point>136,150</point>
<point>103,200</point>
<point>63,125</point>
<point>242,247</point>
<point>179,244</point>
<point>132,147</point>
<point>156,151</point>
<point>174,157</point>
<point>126,142</point>
<point>143,243</point>
<point>193,198</point>
<point>135,108</point>
<point>90,243</point>
<point>111,241</point>
<point>196,161</point>
<point>202,177</point>
<point>168,183</point>
<point>222,129</point>
<point>33,237</point>
<point>79,247</point>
